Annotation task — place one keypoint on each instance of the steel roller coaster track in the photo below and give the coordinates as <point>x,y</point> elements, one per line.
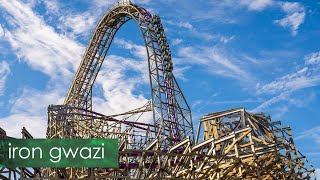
<point>232,144</point>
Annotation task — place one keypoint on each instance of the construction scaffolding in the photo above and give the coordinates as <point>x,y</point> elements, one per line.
<point>233,144</point>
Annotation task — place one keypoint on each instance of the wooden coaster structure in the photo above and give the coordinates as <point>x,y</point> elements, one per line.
<point>16,173</point>
<point>249,146</point>
<point>232,144</point>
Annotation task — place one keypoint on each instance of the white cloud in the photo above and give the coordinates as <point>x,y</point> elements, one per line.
<point>52,6</point>
<point>103,4</point>
<point>283,87</point>
<point>291,82</point>
<point>179,72</point>
<point>137,50</point>
<point>76,23</point>
<point>257,5</point>
<point>45,50</point>
<point>30,110</point>
<point>36,102</point>
<point>214,60</point>
<point>79,23</point>
<point>140,52</point>
<point>292,21</point>
<point>203,35</point>
<point>38,44</point>
<point>226,39</point>
<point>313,133</point>
<point>13,124</point>
<point>176,42</point>
<point>196,103</point>
<point>273,100</point>
<point>292,7</point>
<point>1,31</point>
<point>308,76</point>
<point>317,172</point>
<point>295,16</point>
<point>181,24</point>
<point>144,2</point>
<point>313,58</point>
<point>197,33</point>
<point>118,88</point>
<point>295,12</point>
<point>4,72</point>
<point>283,102</point>
<point>186,25</point>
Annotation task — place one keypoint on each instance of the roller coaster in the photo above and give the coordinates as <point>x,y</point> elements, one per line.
<point>232,144</point>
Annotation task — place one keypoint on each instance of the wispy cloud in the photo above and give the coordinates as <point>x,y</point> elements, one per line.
<point>45,50</point>
<point>121,92</point>
<point>1,31</point>
<point>225,39</point>
<point>195,32</point>
<point>144,2</point>
<point>213,60</point>
<point>75,23</point>
<point>177,41</point>
<point>38,44</point>
<point>140,52</point>
<point>307,76</point>
<point>52,6</point>
<point>13,124</point>
<point>257,5</point>
<point>78,23</point>
<point>318,172</point>
<point>33,101</point>
<point>313,133</point>
<point>294,18</point>
<point>180,72</point>
<point>291,82</point>
<point>186,25</point>
<point>245,101</point>
<point>313,58</point>
<point>215,11</point>
<point>192,30</point>
<point>29,110</point>
<point>103,4</point>
<point>281,97</point>
<point>4,72</point>
<point>283,87</point>
<point>137,50</point>
<point>313,137</point>
<point>295,12</point>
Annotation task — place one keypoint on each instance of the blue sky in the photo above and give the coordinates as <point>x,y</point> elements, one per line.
<point>263,55</point>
